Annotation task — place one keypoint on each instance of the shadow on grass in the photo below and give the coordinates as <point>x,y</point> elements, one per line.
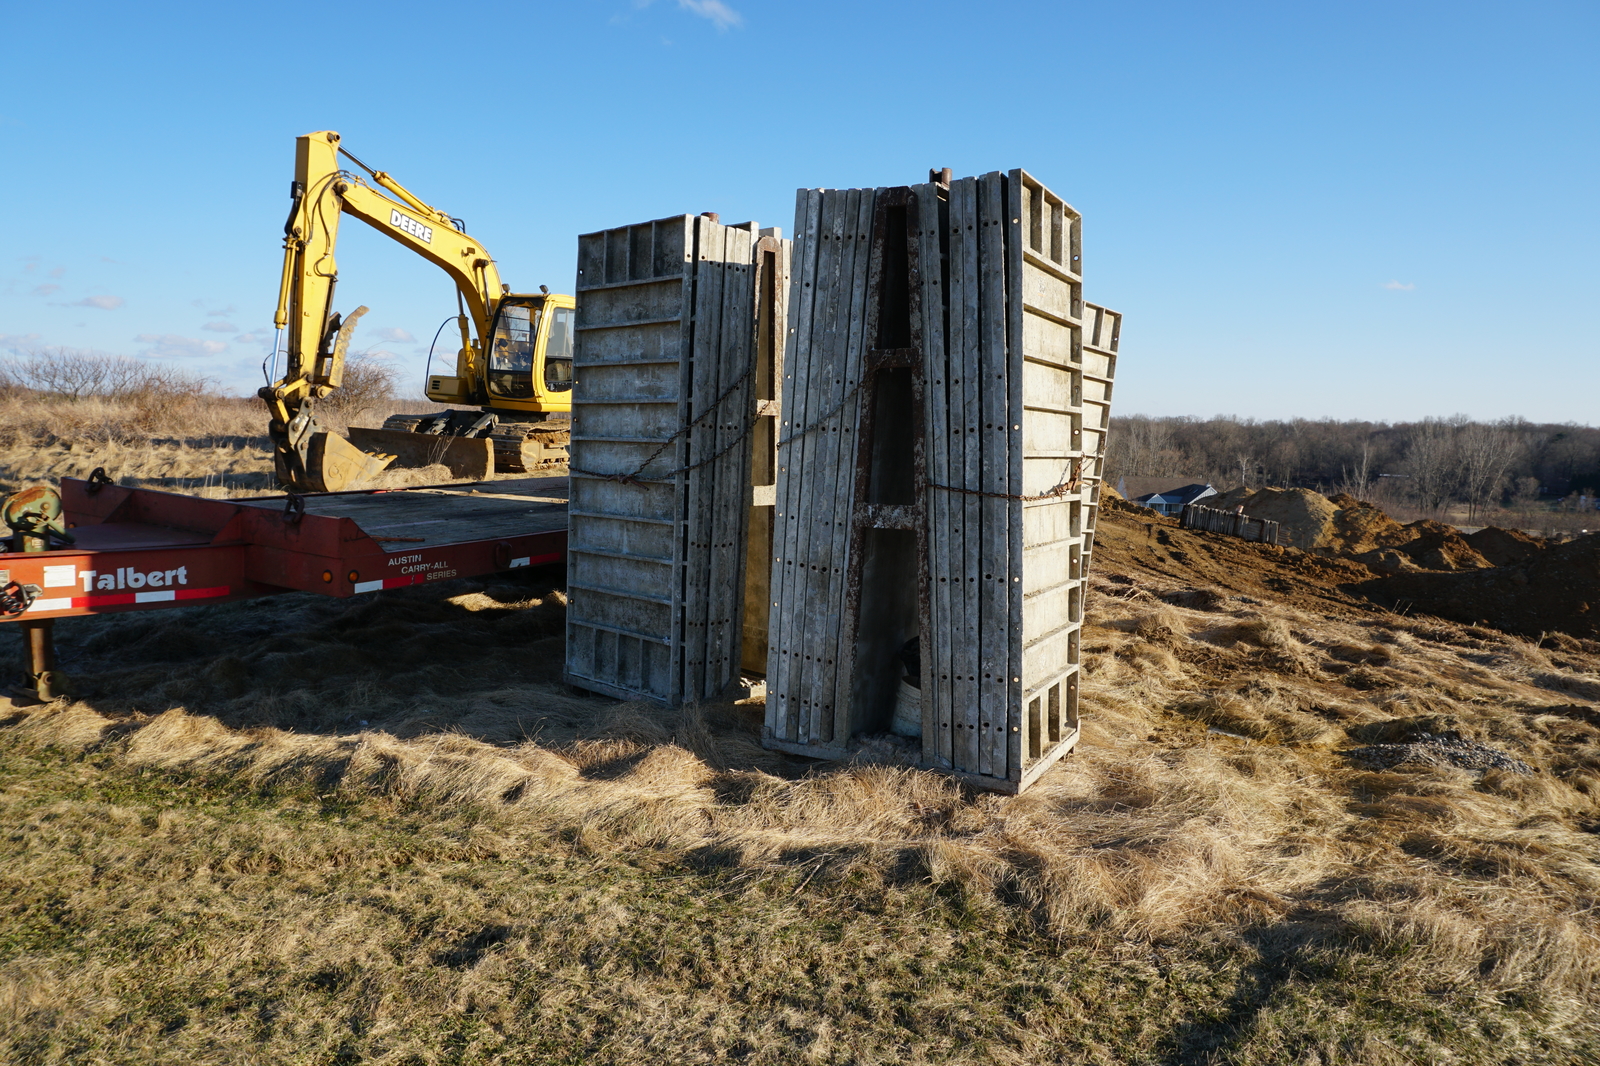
<point>480,658</point>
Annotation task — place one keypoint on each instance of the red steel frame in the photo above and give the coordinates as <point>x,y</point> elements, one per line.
<point>142,550</point>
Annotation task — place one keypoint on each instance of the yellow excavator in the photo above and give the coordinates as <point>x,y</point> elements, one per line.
<point>514,365</point>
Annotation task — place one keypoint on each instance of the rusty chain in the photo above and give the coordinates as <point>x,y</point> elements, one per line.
<point>636,476</point>
<point>849,395</point>
<point>1067,485</point>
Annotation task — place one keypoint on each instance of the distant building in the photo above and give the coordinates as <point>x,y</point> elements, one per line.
<point>1165,495</point>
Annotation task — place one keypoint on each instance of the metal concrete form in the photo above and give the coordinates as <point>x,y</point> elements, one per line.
<point>949,393</point>
<point>665,401</point>
<point>1233,523</point>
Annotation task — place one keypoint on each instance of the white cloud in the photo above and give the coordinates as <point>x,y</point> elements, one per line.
<point>720,14</point>
<point>104,303</point>
<point>224,313</point>
<point>14,341</point>
<point>46,290</point>
<point>394,335</point>
<point>56,272</point>
<point>221,327</point>
<point>170,345</point>
<point>1399,286</point>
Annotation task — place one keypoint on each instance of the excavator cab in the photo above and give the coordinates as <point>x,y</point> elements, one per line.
<point>512,351</point>
<point>530,349</point>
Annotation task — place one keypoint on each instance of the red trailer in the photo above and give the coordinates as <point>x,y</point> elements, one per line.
<point>141,550</point>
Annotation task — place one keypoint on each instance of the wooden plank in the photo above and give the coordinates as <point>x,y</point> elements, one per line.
<point>721,266</point>
<point>1024,221</point>
<point>769,289</point>
<point>937,693</point>
<point>710,251</point>
<point>681,650</point>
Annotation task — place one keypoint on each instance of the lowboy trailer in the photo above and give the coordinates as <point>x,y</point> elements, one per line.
<point>142,549</point>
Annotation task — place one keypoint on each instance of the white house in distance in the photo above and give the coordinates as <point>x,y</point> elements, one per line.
<point>1164,495</point>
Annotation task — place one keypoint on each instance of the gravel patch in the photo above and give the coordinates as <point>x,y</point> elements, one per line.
<point>1432,750</point>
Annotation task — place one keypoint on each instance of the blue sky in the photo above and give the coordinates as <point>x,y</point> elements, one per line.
<point>1342,210</point>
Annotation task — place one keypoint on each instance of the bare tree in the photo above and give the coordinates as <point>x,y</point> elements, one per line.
<point>368,383</point>
<point>94,375</point>
<point>1434,461</point>
<point>1486,452</point>
<point>1357,480</point>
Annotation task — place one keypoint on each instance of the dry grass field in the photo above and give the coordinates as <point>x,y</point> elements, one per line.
<point>152,425</point>
<point>301,830</point>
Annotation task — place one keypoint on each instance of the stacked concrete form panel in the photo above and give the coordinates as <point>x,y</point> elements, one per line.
<point>663,402</point>
<point>816,461</point>
<point>945,428</point>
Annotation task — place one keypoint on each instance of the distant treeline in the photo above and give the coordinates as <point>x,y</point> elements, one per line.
<point>1433,464</point>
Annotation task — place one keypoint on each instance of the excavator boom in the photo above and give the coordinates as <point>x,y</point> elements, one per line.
<point>315,338</point>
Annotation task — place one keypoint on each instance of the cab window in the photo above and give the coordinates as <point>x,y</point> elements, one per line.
<point>558,350</point>
<point>516,330</point>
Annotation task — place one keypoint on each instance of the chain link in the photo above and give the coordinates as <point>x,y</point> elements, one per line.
<point>849,395</point>
<point>1071,481</point>
<point>636,477</point>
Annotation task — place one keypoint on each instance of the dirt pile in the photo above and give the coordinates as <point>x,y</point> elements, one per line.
<point>1558,589</point>
<point>1505,547</point>
<point>1427,740</point>
<point>1365,532</point>
<point>1360,527</point>
<point>1342,525</point>
<point>1435,546</point>
<point>1305,518</point>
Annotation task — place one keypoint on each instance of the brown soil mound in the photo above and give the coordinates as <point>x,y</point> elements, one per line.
<point>1505,547</point>
<point>1304,517</point>
<point>1359,527</point>
<point>1389,561</point>
<point>1436,546</point>
<point>1559,589</point>
<point>1344,525</point>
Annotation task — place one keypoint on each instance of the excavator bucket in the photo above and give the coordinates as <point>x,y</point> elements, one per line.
<point>467,458</point>
<point>333,464</point>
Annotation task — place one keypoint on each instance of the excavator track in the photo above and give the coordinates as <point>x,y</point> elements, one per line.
<point>519,447</point>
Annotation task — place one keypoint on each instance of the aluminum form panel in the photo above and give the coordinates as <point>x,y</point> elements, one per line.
<point>1018,374</point>
<point>663,333</point>
<point>807,700</point>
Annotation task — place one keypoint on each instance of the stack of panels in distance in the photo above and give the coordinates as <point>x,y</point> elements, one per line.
<point>662,405</point>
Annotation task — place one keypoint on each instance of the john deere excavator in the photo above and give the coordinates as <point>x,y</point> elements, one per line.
<point>514,364</point>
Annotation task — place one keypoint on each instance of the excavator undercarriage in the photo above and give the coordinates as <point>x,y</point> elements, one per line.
<point>519,446</point>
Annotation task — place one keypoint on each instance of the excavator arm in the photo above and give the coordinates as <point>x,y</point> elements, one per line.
<point>308,456</point>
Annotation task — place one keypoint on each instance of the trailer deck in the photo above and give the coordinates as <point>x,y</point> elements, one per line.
<point>142,549</point>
